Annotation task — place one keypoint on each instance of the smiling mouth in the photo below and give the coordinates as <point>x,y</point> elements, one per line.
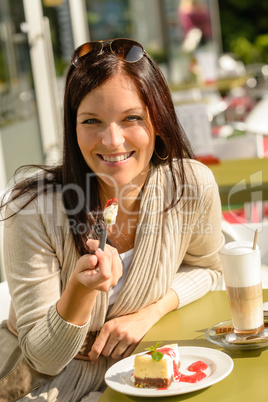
<point>116,158</point>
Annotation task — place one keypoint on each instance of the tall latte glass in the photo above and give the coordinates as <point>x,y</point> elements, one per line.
<point>242,276</point>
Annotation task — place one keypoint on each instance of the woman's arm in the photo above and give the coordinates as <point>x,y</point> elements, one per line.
<point>34,273</point>
<point>93,273</point>
<point>119,337</point>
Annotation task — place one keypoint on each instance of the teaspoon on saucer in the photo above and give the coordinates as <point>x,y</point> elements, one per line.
<point>233,338</point>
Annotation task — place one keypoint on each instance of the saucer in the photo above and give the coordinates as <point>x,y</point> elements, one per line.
<point>222,334</point>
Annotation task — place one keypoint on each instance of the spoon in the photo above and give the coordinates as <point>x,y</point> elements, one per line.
<point>232,338</point>
<point>109,217</point>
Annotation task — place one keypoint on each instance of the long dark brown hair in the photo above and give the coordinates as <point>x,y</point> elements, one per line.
<point>171,141</point>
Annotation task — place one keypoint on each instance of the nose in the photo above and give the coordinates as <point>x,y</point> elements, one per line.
<point>113,137</point>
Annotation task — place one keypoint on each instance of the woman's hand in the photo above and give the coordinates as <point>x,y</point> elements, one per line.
<point>92,273</point>
<point>101,270</point>
<point>119,337</point>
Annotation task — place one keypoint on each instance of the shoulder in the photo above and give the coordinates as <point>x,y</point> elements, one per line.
<point>202,173</point>
<point>195,172</point>
<point>199,184</point>
<point>33,205</point>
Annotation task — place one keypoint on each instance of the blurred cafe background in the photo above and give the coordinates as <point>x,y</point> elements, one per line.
<point>213,53</point>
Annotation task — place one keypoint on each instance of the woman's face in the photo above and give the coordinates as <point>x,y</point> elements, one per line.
<point>115,133</point>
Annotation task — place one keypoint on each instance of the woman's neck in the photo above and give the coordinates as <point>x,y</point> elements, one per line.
<point>128,200</point>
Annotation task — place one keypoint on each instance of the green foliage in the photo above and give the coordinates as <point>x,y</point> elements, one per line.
<point>262,46</point>
<point>159,55</point>
<point>245,50</point>
<point>93,18</point>
<point>244,26</point>
<point>248,52</point>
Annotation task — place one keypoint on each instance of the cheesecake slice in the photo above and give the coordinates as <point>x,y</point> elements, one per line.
<point>154,371</point>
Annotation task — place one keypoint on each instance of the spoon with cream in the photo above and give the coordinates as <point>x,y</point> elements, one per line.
<point>109,217</point>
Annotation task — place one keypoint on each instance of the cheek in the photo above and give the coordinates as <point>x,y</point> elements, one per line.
<point>84,141</point>
<point>144,137</point>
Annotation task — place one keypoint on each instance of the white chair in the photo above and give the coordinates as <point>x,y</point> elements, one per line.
<point>4,301</point>
<point>257,122</point>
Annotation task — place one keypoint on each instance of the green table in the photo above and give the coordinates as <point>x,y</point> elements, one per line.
<point>242,180</point>
<point>247,382</point>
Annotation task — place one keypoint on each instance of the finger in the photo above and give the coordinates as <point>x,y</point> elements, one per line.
<point>121,349</point>
<point>129,350</point>
<point>93,244</point>
<point>88,263</point>
<point>93,262</point>
<point>110,347</point>
<point>104,261</point>
<point>98,345</point>
<point>91,275</point>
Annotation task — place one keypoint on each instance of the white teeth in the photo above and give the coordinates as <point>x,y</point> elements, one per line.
<point>116,158</point>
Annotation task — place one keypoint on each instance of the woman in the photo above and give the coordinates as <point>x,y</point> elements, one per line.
<point>75,308</point>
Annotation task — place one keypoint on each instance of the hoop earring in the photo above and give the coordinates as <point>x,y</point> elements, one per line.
<point>159,157</point>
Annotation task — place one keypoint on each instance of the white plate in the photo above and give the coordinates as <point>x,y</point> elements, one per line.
<point>119,377</point>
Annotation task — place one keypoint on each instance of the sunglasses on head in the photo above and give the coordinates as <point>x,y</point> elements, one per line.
<point>126,49</point>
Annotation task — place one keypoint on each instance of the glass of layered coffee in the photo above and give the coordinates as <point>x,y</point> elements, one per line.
<point>242,276</point>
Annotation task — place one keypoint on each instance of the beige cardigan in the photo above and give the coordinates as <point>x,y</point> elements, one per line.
<point>177,249</point>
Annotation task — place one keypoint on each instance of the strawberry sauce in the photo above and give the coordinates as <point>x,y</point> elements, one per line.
<point>197,368</point>
<point>167,351</point>
<point>110,202</point>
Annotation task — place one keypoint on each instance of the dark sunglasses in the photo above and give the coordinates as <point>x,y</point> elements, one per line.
<point>126,49</point>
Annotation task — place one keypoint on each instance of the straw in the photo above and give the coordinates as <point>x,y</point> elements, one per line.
<point>255,239</point>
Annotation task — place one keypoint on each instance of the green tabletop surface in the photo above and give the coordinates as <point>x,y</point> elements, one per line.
<point>187,326</point>
<point>241,180</point>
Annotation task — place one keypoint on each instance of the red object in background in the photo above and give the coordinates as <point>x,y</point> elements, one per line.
<point>265,147</point>
<point>208,159</point>
<point>237,215</point>
<point>195,15</point>
<point>238,107</point>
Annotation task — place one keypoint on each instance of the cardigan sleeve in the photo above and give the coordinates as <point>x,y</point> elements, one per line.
<point>33,273</point>
<point>201,269</point>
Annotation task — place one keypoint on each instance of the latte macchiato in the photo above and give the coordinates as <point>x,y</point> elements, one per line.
<point>246,308</point>
<point>242,275</point>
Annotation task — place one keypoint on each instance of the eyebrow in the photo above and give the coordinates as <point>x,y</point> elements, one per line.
<point>86,113</point>
<point>135,109</point>
<point>131,110</point>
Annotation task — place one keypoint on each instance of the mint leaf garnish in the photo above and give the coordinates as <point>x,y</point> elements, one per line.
<point>156,355</point>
